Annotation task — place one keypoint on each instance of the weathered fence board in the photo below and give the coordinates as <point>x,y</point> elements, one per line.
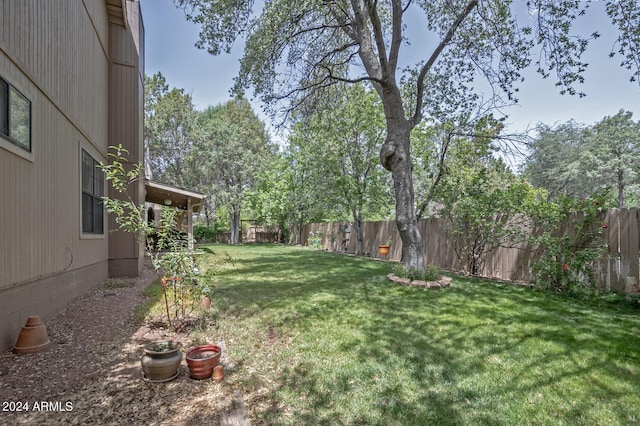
<point>622,232</point>
<point>633,244</point>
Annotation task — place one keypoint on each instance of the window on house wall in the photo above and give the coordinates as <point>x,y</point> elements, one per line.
<point>4,108</point>
<point>92,192</point>
<point>15,116</point>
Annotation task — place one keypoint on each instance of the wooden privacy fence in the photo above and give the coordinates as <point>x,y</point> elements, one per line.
<point>618,271</point>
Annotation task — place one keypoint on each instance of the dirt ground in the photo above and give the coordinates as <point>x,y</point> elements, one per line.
<point>91,374</point>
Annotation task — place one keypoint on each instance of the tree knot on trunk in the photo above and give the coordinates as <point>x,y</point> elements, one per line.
<point>387,151</point>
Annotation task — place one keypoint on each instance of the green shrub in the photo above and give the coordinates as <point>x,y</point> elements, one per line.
<point>315,240</point>
<point>567,259</point>
<point>204,234</point>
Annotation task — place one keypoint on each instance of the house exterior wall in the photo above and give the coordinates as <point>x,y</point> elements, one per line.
<point>126,112</point>
<point>59,55</point>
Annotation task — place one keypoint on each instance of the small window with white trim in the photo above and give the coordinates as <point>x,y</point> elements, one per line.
<point>15,116</point>
<point>92,192</point>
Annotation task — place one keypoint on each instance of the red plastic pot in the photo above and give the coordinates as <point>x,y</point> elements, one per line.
<point>201,360</point>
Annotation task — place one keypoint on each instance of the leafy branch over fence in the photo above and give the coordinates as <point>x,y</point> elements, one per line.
<point>616,267</point>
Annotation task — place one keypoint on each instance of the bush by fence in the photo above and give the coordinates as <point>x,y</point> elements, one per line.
<point>616,270</point>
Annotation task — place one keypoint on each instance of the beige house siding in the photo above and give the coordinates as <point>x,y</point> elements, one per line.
<point>56,46</point>
<point>60,55</point>
<point>126,109</point>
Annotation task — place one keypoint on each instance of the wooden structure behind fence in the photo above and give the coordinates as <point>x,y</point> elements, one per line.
<point>618,271</point>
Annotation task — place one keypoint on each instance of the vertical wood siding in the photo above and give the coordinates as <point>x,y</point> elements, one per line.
<point>126,102</point>
<point>56,45</point>
<point>54,53</point>
<point>58,54</point>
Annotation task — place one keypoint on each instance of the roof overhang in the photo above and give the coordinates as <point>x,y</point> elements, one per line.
<point>168,195</point>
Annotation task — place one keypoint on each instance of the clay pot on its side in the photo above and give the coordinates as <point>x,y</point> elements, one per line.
<point>161,361</point>
<point>202,359</point>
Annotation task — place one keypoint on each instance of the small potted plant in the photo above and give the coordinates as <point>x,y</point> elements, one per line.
<point>383,249</point>
<point>205,296</point>
<point>161,361</point>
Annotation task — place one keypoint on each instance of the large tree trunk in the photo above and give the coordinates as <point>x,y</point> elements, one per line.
<point>234,214</point>
<point>207,213</point>
<point>357,225</point>
<point>621,198</point>
<point>300,225</point>
<point>395,156</point>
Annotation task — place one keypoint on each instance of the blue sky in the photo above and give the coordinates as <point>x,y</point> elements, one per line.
<point>170,49</point>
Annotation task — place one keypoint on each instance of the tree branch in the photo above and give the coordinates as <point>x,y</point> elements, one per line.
<point>378,35</point>
<point>396,35</point>
<point>417,116</point>
<point>443,155</point>
<point>362,37</point>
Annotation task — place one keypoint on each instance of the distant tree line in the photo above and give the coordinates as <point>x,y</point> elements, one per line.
<point>327,169</point>
<point>297,53</point>
<point>579,161</point>
<point>219,151</point>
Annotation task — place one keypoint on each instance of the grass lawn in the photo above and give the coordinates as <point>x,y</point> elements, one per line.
<point>320,338</point>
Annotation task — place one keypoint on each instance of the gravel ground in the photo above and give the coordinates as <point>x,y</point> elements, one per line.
<point>91,374</point>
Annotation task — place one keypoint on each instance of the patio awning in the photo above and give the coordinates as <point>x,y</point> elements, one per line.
<point>169,195</point>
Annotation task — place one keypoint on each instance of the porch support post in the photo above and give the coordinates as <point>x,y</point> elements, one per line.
<point>189,223</point>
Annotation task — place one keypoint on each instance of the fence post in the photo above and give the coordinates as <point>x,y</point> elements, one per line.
<point>634,245</point>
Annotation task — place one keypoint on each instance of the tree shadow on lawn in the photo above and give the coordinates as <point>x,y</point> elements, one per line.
<point>297,274</point>
<point>295,265</point>
<point>478,352</point>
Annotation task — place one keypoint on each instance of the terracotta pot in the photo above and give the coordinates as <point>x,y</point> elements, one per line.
<point>33,337</point>
<point>218,373</point>
<point>202,359</point>
<point>161,361</point>
<point>383,250</point>
<point>205,301</point>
